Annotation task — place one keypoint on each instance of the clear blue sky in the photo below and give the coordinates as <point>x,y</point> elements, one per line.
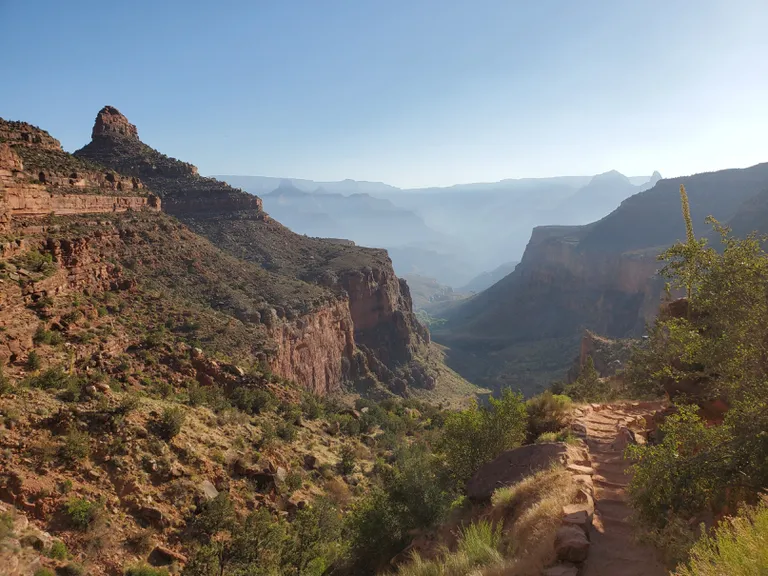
<point>411,92</point>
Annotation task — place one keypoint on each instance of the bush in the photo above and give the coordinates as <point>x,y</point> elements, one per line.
<point>58,550</point>
<point>313,540</point>
<point>44,572</point>
<point>589,387</point>
<point>286,431</point>
<point>81,512</point>
<point>170,422</point>
<point>77,445</point>
<point>293,481</point>
<point>415,493</point>
<point>33,361</point>
<point>52,379</point>
<point>70,569</point>
<point>311,406</point>
<point>681,475</point>
<point>43,336</point>
<point>477,435</point>
<point>547,412</point>
<point>737,547</point>
<point>6,525</point>
<point>253,401</point>
<point>348,460</point>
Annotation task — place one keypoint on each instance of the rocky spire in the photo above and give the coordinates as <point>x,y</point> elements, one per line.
<point>110,123</point>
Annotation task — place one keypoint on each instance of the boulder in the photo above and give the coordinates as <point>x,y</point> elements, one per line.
<point>163,556</point>
<point>207,490</point>
<point>512,466</point>
<point>571,544</point>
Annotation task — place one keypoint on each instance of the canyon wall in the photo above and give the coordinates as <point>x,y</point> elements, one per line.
<point>379,304</point>
<point>313,350</point>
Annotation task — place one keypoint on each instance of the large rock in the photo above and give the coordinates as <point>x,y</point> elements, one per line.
<point>512,466</point>
<point>571,544</point>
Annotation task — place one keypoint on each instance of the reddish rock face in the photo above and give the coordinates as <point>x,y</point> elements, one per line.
<point>311,349</point>
<point>112,124</point>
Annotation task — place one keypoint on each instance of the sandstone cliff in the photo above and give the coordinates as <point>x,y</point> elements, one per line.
<point>38,178</point>
<point>384,326</point>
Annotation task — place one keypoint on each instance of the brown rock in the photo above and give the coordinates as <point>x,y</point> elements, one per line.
<point>571,544</point>
<point>153,516</point>
<point>163,556</point>
<point>512,466</point>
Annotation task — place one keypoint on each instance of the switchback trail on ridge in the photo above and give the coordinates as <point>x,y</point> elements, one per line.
<point>614,550</point>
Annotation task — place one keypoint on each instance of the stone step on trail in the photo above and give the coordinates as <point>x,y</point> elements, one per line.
<point>614,550</point>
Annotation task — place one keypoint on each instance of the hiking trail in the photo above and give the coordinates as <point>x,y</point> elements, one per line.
<point>614,550</point>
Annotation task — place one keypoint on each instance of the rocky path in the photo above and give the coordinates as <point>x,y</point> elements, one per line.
<point>614,550</point>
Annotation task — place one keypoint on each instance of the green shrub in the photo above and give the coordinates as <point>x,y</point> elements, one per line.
<point>589,387</point>
<point>58,550</point>
<point>52,379</point>
<point>477,435</point>
<point>286,431</point>
<point>44,572</point>
<point>547,412</point>
<point>252,400</point>
<point>348,460</point>
<point>77,445</point>
<point>43,336</point>
<point>6,525</point>
<point>33,360</point>
<point>684,473</point>
<point>170,422</point>
<point>128,403</point>
<point>737,547</point>
<point>414,493</point>
<point>81,512</point>
<point>311,406</point>
<point>313,540</point>
<point>293,481</point>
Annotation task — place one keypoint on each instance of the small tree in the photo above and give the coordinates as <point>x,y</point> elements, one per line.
<point>477,435</point>
<point>588,387</point>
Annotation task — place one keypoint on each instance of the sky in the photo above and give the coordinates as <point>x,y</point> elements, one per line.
<point>410,92</point>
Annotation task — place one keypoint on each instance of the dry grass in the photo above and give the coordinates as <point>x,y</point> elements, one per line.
<point>737,547</point>
<point>530,513</point>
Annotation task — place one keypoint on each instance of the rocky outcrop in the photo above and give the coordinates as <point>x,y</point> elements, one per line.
<point>377,302</point>
<point>314,349</point>
<point>512,466</point>
<point>115,143</point>
<point>37,178</point>
<point>609,356</point>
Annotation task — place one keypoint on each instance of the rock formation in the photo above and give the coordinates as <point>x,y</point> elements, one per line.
<point>38,178</point>
<point>379,304</point>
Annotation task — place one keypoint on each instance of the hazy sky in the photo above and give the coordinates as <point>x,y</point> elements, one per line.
<point>411,92</point>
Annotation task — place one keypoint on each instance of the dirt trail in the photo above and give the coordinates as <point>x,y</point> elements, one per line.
<point>614,550</point>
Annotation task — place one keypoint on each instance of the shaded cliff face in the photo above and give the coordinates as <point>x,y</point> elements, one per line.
<point>379,305</point>
<point>524,330</point>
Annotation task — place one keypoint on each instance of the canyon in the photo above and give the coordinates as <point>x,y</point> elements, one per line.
<point>525,330</point>
<point>326,313</point>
